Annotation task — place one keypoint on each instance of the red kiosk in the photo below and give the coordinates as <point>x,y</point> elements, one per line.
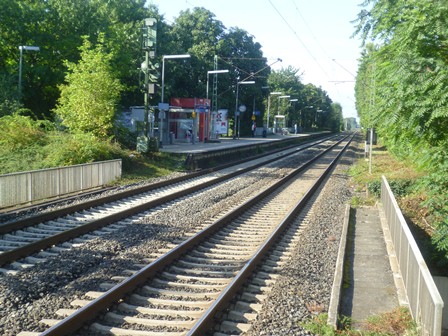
<point>187,118</point>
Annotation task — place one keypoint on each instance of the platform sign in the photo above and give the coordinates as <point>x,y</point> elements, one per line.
<point>164,106</point>
<point>201,108</point>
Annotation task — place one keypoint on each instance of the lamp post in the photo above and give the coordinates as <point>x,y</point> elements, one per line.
<point>236,107</point>
<point>22,48</point>
<point>162,116</point>
<point>278,113</point>
<point>295,100</point>
<point>269,106</point>
<point>207,115</point>
<point>317,111</point>
<point>301,113</point>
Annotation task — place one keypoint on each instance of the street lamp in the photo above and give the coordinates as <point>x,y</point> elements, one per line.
<point>236,107</point>
<point>306,107</point>
<point>278,104</point>
<point>315,120</point>
<point>163,89</point>
<point>269,106</point>
<point>207,115</point>
<point>22,48</point>
<point>295,100</point>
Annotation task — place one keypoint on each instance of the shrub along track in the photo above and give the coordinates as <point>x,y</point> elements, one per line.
<point>205,266</point>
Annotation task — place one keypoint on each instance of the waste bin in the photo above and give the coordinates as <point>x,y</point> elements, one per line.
<point>264,133</point>
<point>171,138</point>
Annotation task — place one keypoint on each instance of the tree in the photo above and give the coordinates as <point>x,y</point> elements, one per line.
<point>89,99</point>
<point>57,27</point>
<point>401,90</point>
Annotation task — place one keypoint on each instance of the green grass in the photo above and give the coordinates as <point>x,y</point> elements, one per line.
<point>396,322</point>
<point>144,166</point>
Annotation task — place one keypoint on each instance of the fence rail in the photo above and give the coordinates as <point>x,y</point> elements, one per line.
<point>425,302</point>
<point>25,187</point>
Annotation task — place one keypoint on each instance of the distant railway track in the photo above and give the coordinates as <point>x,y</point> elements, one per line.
<point>50,230</point>
<point>181,292</point>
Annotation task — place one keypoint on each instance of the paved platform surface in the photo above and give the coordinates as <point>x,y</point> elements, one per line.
<point>370,285</point>
<point>201,147</point>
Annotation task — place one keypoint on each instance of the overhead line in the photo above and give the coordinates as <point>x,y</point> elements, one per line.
<point>298,38</point>
<point>309,28</point>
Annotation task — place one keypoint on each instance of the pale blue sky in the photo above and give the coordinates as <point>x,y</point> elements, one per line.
<point>312,35</point>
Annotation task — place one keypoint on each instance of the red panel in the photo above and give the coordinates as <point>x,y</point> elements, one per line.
<point>188,102</point>
<point>201,126</point>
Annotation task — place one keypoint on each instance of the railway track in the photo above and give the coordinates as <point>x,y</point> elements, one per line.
<point>183,291</point>
<point>47,234</point>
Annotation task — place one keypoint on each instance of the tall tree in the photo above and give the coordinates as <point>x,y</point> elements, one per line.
<point>56,26</point>
<point>401,89</point>
<point>89,100</point>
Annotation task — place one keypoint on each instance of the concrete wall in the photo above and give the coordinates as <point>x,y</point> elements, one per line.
<point>25,187</point>
<point>442,285</point>
<point>425,302</point>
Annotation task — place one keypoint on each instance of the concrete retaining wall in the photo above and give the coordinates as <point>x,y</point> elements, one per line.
<point>25,187</point>
<point>425,302</point>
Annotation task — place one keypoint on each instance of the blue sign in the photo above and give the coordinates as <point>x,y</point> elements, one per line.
<point>201,108</point>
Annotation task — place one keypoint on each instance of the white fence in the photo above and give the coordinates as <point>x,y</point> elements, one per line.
<point>24,187</point>
<point>425,302</point>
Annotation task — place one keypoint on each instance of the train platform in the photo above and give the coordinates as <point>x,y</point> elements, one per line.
<point>372,282</point>
<point>202,155</point>
<point>224,143</point>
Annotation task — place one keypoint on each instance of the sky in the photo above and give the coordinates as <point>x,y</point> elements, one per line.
<point>311,35</point>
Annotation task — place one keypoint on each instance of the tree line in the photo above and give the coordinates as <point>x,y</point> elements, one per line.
<point>402,91</point>
<point>71,34</point>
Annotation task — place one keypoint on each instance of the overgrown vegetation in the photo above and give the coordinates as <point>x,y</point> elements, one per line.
<point>408,186</point>
<point>394,323</point>
<point>27,144</point>
<point>401,91</point>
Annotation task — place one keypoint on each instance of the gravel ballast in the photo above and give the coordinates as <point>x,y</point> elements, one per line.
<point>38,292</point>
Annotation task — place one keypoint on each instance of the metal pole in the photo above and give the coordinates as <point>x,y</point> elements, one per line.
<point>207,111</point>
<point>236,111</point>
<point>20,72</point>
<point>145,131</point>
<point>161,112</point>
<point>269,106</point>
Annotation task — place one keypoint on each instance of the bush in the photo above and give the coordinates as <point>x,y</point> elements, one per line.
<point>71,149</point>
<point>27,144</point>
<point>21,131</point>
<point>400,187</point>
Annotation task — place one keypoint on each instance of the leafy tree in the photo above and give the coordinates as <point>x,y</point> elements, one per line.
<point>57,27</point>
<point>401,90</point>
<point>336,119</point>
<point>89,99</point>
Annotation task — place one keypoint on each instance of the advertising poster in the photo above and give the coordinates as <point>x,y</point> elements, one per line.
<point>221,122</point>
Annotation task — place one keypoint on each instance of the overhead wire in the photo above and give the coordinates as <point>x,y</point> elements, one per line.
<point>298,38</point>
<point>321,47</point>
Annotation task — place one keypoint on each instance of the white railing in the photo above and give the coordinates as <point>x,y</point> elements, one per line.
<point>25,187</point>
<point>425,302</point>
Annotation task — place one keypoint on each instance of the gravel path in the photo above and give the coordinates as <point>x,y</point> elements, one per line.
<point>37,293</point>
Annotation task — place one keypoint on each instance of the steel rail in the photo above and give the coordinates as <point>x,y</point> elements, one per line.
<point>23,251</point>
<point>208,318</point>
<point>87,313</point>
<point>32,220</point>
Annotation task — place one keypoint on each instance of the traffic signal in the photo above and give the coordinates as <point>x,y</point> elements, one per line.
<point>150,36</point>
